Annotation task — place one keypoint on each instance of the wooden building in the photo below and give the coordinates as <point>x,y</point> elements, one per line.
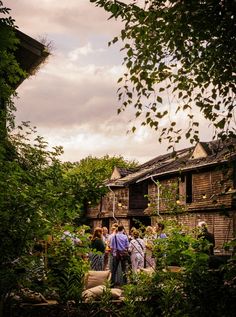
<point>29,54</point>
<point>196,184</point>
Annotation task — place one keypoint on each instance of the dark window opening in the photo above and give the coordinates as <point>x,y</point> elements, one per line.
<point>234,175</point>
<point>139,222</point>
<point>138,196</point>
<point>177,195</point>
<point>189,188</point>
<point>105,222</point>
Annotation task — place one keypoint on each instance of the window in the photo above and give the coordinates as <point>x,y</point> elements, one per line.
<point>105,222</point>
<point>137,199</point>
<point>234,175</point>
<point>189,188</point>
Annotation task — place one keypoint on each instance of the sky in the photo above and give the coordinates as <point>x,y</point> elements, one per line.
<point>72,99</point>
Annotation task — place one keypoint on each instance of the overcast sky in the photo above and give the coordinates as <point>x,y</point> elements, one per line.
<point>72,99</point>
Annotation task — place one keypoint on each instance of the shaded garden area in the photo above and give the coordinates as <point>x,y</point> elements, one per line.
<point>186,282</point>
<point>43,270</point>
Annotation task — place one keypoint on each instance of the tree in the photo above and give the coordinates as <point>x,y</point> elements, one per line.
<point>10,73</point>
<point>86,178</point>
<point>180,56</point>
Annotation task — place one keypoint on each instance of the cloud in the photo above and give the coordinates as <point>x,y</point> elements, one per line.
<point>79,18</point>
<point>85,50</point>
<point>72,99</point>
<point>65,93</point>
<point>79,142</point>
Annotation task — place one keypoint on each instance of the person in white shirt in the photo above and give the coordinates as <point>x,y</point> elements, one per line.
<point>137,251</point>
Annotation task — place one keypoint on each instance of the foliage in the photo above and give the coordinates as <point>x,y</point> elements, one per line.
<point>167,199</point>
<point>10,73</point>
<point>67,263</point>
<point>104,307</point>
<point>142,298</point>
<point>179,56</point>
<point>69,282</point>
<point>181,248</point>
<point>38,195</point>
<point>87,177</point>
<point>33,199</point>
<point>9,69</point>
<point>194,291</point>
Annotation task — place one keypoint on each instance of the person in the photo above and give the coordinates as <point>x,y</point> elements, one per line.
<point>36,272</point>
<point>119,248</point>
<point>105,234</point>
<point>98,246</point>
<point>137,251</point>
<point>130,236</point>
<point>72,237</point>
<point>118,275</point>
<point>149,237</point>
<point>105,237</point>
<point>113,232</point>
<point>159,230</point>
<point>205,234</point>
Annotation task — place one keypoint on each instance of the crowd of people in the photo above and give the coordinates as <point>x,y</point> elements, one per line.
<point>120,252</point>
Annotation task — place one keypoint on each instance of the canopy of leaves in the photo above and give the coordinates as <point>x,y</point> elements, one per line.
<point>33,196</point>
<point>38,192</point>
<point>87,177</point>
<point>180,56</point>
<point>10,71</point>
<point>10,74</point>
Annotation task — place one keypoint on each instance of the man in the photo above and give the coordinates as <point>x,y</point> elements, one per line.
<point>205,234</point>
<point>119,248</point>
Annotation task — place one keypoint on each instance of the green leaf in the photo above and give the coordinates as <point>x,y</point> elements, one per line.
<point>159,99</point>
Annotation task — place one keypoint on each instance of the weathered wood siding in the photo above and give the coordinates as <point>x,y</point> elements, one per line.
<point>168,195</point>
<point>211,193</point>
<point>116,200</point>
<point>221,226</point>
<point>209,190</point>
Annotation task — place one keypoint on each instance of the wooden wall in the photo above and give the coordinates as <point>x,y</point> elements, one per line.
<point>209,191</point>
<point>210,196</point>
<point>221,226</point>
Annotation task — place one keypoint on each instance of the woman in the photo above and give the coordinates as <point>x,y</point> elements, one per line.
<point>149,238</point>
<point>105,237</point>
<point>137,251</point>
<point>98,246</point>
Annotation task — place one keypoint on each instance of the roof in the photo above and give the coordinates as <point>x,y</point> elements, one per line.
<point>214,153</point>
<point>29,54</point>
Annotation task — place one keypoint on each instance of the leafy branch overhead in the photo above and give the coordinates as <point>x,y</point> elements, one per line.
<point>180,57</point>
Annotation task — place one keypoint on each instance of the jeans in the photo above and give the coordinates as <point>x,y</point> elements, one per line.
<point>115,264</point>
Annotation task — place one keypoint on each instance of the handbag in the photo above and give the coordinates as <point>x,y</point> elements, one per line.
<point>122,254</point>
